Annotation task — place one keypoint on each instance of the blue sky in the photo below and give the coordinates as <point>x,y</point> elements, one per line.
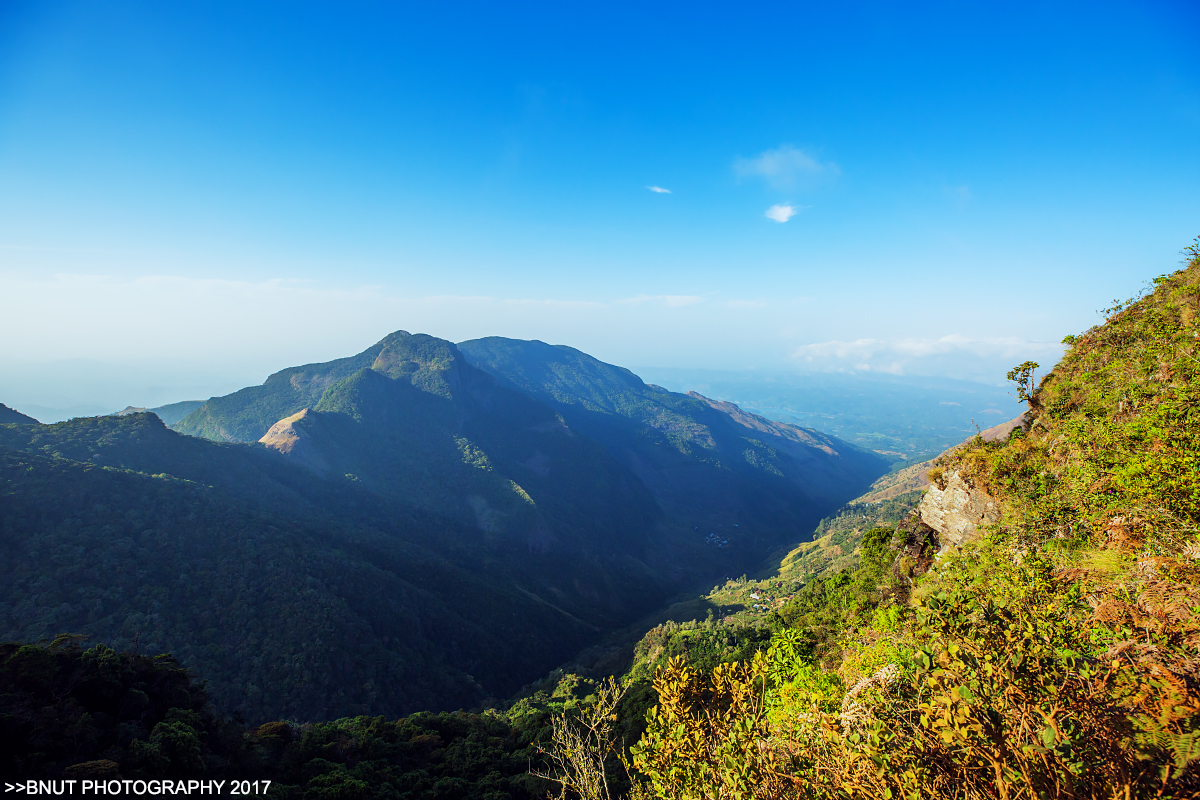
<point>222,189</point>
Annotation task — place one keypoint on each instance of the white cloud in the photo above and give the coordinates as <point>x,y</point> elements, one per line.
<point>785,166</point>
<point>983,358</point>
<point>659,190</point>
<point>781,213</point>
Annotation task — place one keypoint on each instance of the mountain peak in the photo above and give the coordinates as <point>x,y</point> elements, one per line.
<point>432,364</point>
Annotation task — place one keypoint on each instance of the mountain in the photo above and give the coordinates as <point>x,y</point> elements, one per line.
<point>169,414</point>
<point>10,416</point>
<point>246,415</point>
<point>419,426</point>
<point>740,480</point>
<point>578,457</point>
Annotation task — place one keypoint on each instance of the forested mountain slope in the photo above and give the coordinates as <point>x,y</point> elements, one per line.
<point>247,414</point>
<point>10,416</point>
<point>424,428</point>
<point>292,596</point>
<point>738,478</point>
<point>602,463</point>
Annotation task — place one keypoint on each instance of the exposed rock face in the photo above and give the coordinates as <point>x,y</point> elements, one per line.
<point>906,480</point>
<point>957,511</point>
<point>291,437</point>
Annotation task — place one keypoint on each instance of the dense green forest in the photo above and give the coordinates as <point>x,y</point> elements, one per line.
<point>75,712</point>
<point>290,597</point>
<point>251,625</point>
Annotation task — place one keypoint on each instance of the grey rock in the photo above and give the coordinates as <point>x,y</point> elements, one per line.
<point>958,511</point>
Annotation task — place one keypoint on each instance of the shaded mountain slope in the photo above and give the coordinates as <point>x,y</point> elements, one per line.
<point>10,416</point>
<point>396,530</point>
<point>620,491</point>
<point>294,597</point>
<point>423,427</point>
<point>742,481</point>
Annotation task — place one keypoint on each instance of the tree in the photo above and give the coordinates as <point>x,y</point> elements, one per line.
<point>1022,376</point>
<point>581,747</point>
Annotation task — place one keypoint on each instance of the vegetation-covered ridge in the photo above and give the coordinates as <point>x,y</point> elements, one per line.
<point>10,416</point>
<point>1054,654</point>
<point>737,483</point>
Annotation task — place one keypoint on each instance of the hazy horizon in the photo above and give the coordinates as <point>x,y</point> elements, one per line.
<point>87,387</point>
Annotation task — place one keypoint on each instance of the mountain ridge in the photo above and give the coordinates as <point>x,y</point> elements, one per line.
<point>709,464</point>
<point>10,416</point>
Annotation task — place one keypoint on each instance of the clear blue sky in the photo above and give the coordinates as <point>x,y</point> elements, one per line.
<point>228,188</point>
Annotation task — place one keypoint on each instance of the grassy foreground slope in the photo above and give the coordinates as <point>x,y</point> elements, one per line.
<point>1056,653</point>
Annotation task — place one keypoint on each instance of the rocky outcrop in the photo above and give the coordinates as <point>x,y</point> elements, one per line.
<point>956,510</point>
<point>916,476</point>
<point>291,437</point>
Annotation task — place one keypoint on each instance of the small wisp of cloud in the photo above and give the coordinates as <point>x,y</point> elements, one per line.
<point>785,166</point>
<point>658,190</point>
<point>781,213</point>
<point>960,195</point>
